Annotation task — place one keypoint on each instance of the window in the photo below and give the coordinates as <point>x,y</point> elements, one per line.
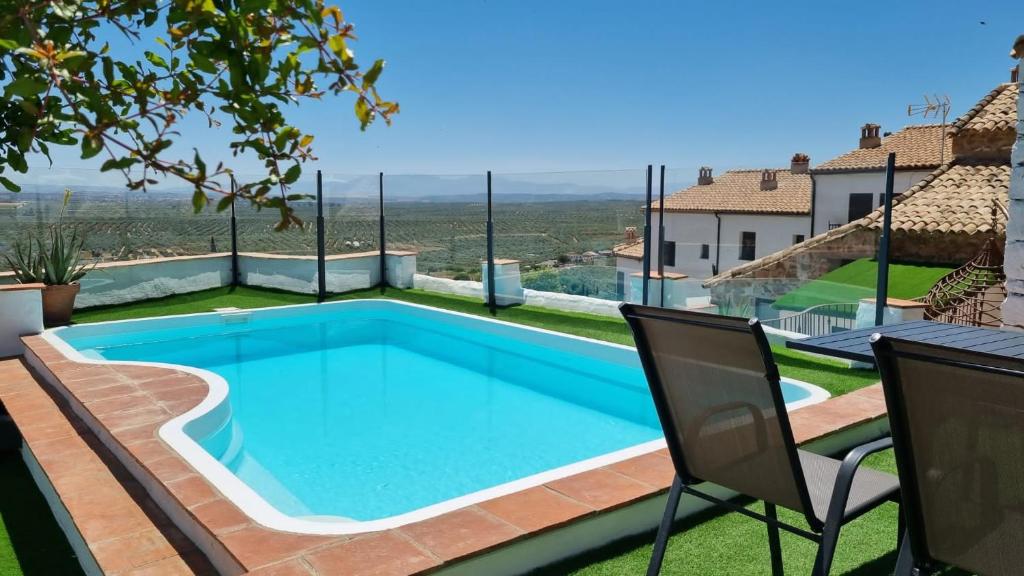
<point>705,251</point>
<point>669,253</point>
<point>748,243</point>
<point>860,206</point>
<point>620,285</point>
<point>798,238</point>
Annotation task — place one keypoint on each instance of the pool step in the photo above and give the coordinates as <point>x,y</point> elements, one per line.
<point>108,518</point>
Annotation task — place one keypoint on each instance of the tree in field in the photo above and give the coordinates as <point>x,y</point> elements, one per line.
<point>238,63</point>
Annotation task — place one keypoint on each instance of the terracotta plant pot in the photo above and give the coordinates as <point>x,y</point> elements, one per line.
<point>58,302</point>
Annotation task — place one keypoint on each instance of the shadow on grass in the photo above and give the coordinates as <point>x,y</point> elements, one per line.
<point>36,543</point>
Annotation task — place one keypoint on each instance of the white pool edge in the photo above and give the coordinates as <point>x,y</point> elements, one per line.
<point>262,512</point>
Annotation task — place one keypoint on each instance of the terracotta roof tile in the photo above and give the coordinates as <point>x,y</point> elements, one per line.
<point>997,111</point>
<point>739,191</point>
<point>957,200</point>
<point>634,250</point>
<point>916,147</point>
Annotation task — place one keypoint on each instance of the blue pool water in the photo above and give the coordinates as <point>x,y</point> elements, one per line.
<point>373,409</point>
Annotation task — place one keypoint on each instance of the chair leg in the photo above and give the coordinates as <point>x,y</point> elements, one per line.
<point>665,529</point>
<point>774,545</point>
<point>901,526</point>
<point>826,548</point>
<point>905,560</point>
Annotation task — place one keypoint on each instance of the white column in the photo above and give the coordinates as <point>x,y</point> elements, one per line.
<point>1013,307</point>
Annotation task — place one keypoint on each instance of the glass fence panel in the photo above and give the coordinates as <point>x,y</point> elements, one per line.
<point>113,222</point>
<point>443,218</point>
<point>257,226</point>
<point>562,231</point>
<point>351,213</point>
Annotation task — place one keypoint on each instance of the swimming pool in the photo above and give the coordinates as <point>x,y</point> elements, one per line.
<point>364,415</point>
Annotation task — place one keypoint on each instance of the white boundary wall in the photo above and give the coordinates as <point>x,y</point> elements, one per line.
<point>134,280</point>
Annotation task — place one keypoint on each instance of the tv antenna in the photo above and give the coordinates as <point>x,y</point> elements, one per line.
<point>934,107</point>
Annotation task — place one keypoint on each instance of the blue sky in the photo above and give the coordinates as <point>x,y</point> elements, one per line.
<point>554,85</point>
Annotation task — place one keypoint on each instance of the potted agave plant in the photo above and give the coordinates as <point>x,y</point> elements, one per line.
<point>55,261</point>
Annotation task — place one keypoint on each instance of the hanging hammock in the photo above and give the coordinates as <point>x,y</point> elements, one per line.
<point>972,294</point>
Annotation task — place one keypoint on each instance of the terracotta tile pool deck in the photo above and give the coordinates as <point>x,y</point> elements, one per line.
<point>122,407</point>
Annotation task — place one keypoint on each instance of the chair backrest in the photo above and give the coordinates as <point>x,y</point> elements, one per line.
<point>717,392</point>
<point>957,421</point>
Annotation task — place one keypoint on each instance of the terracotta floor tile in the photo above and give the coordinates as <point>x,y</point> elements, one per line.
<point>220,516</point>
<point>133,401</point>
<point>173,566</point>
<point>460,533</point>
<point>377,554</point>
<point>289,568</point>
<point>94,382</point>
<point>535,509</point>
<point>131,435</point>
<point>601,489</point>
<point>114,390</point>
<point>133,418</point>
<point>170,468</point>
<point>256,546</point>
<point>150,450</point>
<point>652,469</point>
<point>194,392</point>
<point>192,490</point>
<point>146,547</point>
<point>97,519</point>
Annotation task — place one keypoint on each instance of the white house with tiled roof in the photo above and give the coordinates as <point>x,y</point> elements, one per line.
<point>724,221</point>
<point>850,186</point>
<point>945,218</point>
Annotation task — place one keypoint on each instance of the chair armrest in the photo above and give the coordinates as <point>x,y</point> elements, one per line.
<point>847,470</point>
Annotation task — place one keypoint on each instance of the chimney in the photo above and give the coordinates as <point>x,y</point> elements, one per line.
<point>869,137</point>
<point>800,164</point>
<point>769,180</point>
<point>1015,74</point>
<point>630,232</point>
<point>704,178</point>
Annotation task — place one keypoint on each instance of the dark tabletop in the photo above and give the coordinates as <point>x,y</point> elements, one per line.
<point>855,345</point>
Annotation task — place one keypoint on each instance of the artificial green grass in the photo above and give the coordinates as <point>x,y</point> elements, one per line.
<point>858,279</point>
<point>31,543</point>
<point>722,543</point>
<point>830,375</point>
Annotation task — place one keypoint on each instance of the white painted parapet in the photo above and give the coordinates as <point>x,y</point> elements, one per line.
<point>130,281</point>
<point>508,284</point>
<point>680,290</point>
<point>448,286</point>
<point>21,314</point>
<point>896,311</point>
<point>401,267</point>
<point>571,303</point>
<point>1013,265</point>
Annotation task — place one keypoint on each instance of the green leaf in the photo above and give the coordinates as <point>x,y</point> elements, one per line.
<point>7,44</point>
<point>373,73</point>
<point>25,86</point>
<point>292,175</point>
<point>11,186</point>
<point>91,146</point>
<point>199,201</point>
<point>157,60</point>
<point>118,164</point>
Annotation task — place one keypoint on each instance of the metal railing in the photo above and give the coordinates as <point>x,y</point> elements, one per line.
<point>818,320</point>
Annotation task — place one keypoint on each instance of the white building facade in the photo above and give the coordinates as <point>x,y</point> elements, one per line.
<point>852,185</point>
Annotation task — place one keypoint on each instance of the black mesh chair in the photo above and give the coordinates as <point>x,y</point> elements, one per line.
<point>957,422</point>
<point>716,388</point>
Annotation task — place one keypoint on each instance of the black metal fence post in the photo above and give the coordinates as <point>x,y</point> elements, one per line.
<point>321,256</point>
<point>491,299</point>
<point>661,239</point>
<point>647,236</point>
<point>882,289</point>
<point>234,237</point>
<point>383,246</point>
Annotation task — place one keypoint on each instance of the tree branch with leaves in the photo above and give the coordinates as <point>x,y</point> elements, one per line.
<point>238,63</point>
